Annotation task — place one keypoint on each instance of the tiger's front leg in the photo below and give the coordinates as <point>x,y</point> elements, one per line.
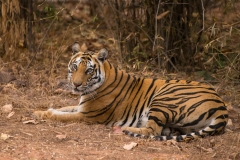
<point>64,114</point>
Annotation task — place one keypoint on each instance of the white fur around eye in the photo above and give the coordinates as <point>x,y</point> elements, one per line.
<point>74,66</point>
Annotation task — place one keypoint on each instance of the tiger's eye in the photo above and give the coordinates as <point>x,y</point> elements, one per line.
<point>74,66</point>
<point>89,70</point>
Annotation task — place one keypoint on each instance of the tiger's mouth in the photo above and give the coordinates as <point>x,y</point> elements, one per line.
<point>76,90</point>
<point>79,90</point>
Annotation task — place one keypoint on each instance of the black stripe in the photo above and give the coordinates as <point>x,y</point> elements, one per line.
<point>179,138</point>
<point>135,110</point>
<point>174,114</point>
<point>165,86</point>
<point>180,118</point>
<point>112,114</point>
<point>213,110</point>
<point>150,87</point>
<point>167,99</point>
<point>195,105</point>
<point>166,115</point>
<point>224,116</point>
<point>188,81</point>
<point>156,120</point>
<point>177,87</point>
<point>158,138</point>
<point>198,134</point>
<point>218,125</point>
<point>104,89</point>
<point>182,108</point>
<point>183,100</point>
<point>142,108</point>
<point>197,92</point>
<point>109,64</point>
<point>195,122</point>
<point>127,116</point>
<point>151,97</point>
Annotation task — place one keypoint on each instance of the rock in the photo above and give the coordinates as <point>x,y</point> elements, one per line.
<point>6,77</point>
<point>7,108</point>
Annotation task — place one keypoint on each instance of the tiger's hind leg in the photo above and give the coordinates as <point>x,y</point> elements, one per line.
<point>154,126</point>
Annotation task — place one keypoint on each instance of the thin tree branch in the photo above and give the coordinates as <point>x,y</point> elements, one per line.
<point>203,17</point>
<point>155,36</point>
<point>44,38</point>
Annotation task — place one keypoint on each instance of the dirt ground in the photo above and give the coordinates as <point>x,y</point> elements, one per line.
<point>44,85</point>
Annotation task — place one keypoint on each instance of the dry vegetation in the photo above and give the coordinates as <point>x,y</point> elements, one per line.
<point>43,84</point>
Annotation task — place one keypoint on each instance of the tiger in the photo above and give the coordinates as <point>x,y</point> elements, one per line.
<point>142,107</point>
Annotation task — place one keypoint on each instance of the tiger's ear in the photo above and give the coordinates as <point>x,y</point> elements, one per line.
<point>75,48</point>
<point>102,55</point>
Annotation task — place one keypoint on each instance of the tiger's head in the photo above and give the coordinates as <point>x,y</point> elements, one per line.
<point>85,70</point>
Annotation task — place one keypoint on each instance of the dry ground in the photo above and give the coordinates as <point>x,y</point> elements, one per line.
<point>44,85</point>
<point>41,86</point>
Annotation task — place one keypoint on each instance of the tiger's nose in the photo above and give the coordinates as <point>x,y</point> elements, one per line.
<point>77,84</point>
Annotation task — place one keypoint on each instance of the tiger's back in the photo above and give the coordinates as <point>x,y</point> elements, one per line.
<point>141,107</point>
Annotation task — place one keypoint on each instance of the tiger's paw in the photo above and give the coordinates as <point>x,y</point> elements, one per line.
<point>128,131</point>
<point>41,115</point>
<point>137,132</point>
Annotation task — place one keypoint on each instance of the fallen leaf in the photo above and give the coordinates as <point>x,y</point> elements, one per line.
<point>10,114</point>
<point>130,146</point>
<point>229,123</point>
<point>29,134</point>
<point>61,136</point>
<point>173,142</point>
<point>5,136</point>
<point>207,149</point>
<point>170,142</point>
<point>228,130</point>
<point>30,122</point>
<point>210,150</point>
<point>230,107</point>
<point>160,16</point>
<point>7,108</point>
<point>213,155</point>
<point>212,141</point>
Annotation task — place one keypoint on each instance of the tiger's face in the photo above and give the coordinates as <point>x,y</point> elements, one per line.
<point>85,70</point>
